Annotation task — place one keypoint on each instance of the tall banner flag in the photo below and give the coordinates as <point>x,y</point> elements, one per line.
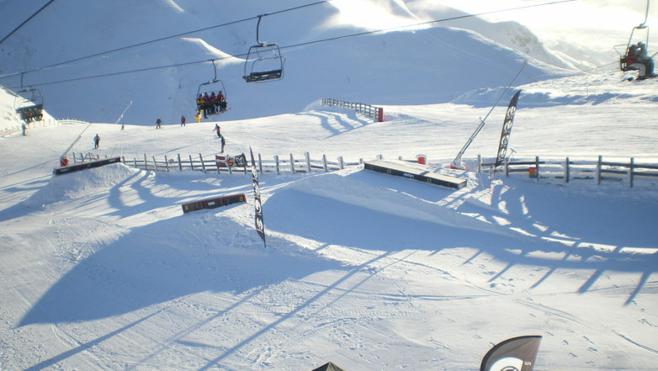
<point>258,207</point>
<point>507,129</point>
<point>515,354</point>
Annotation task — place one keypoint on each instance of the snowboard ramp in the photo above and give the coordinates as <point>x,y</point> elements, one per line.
<point>413,172</point>
<point>213,202</point>
<point>85,165</point>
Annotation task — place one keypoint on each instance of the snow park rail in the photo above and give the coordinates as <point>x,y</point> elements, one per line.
<point>375,113</point>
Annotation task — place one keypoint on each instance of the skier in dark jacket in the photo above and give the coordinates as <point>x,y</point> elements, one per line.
<point>182,120</point>
<point>97,141</point>
<point>158,123</point>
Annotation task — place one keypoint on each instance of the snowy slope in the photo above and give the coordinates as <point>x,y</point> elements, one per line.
<point>407,67</point>
<point>101,270</point>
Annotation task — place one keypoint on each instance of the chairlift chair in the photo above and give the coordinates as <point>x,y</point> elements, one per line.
<point>264,61</point>
<point>214,85</point>
<point>29,108</point>
<point>625,57</point>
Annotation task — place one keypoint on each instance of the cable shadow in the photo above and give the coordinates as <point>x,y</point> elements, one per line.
<point>395,218</point>
<point>283,318</point>
<point>192,253</point>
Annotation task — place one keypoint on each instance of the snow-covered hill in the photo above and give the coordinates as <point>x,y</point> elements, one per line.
<point>405,67</point>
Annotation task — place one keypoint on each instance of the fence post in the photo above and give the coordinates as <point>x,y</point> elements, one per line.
<point>341,164</point>
<point>324,163</point>
<point>380,157</point>
<point>537,166</point>
<point>191,163</point>
<point>260,164</point>
<point>631,168</point>
<point>308,161</point>
<point>166,163</point>
<point>75,160</point>
<point>292,164</point>
<point>276,164</point>
<point>507,166</point>
<point>598,170</point>
<point>566,170</point>
<point>203,166</point>
<point>479,163</point>
<point>155,164</point>
<point>146,164</point>
<point>135,163</point>
<point>180,165</point>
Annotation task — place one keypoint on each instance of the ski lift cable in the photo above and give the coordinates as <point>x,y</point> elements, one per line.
<point>300,44</point>
<point>27,20</point>
<point>144,43</point>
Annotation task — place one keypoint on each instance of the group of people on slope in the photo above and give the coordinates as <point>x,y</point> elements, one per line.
<point>637,58</point>
<point>211,104</point>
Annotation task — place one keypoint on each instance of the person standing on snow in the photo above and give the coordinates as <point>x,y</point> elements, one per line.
<point>97,141</point>
<point>182,120</point>
<point>222,143</point>
<point>158,123</point>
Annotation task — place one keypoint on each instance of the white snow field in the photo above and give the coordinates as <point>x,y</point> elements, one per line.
<point>100,269</point>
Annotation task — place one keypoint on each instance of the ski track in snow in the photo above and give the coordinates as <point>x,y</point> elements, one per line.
<point>101,270</point>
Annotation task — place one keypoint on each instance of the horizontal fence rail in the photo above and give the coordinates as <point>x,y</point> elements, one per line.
<point>375,113</point>
<point>213,163</point>
<point>569,169</point>
<point>549,169</point>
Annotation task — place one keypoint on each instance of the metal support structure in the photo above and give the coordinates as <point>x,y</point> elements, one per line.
<point>566,170</point>
<point>308,161</point>
<point>598,170</point>
<point>276,164</point>
<point>324,163</point>
<point>292,164</point>
<point>537,167</point>
<point>203,166</point>
<point>631,168</point>
<point>180,165</point>
<point>260,164</point>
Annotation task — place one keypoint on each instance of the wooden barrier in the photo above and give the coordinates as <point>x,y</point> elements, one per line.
<point>214,202</point>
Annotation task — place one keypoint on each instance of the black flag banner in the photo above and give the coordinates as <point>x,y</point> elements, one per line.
<point>258,207</point>
<point>515,354</point>
<point>507,129</point>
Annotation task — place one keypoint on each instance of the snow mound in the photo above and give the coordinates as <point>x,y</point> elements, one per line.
<point>391,213</point>
<point>80,184</point>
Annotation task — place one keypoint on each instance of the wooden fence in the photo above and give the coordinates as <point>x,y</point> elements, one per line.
<point>375,113</point>
<point>567,170</point>
<point>210,164</point>
<point>564,170</point>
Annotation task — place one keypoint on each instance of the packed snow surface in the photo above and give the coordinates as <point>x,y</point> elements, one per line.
<point>100,269</point>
